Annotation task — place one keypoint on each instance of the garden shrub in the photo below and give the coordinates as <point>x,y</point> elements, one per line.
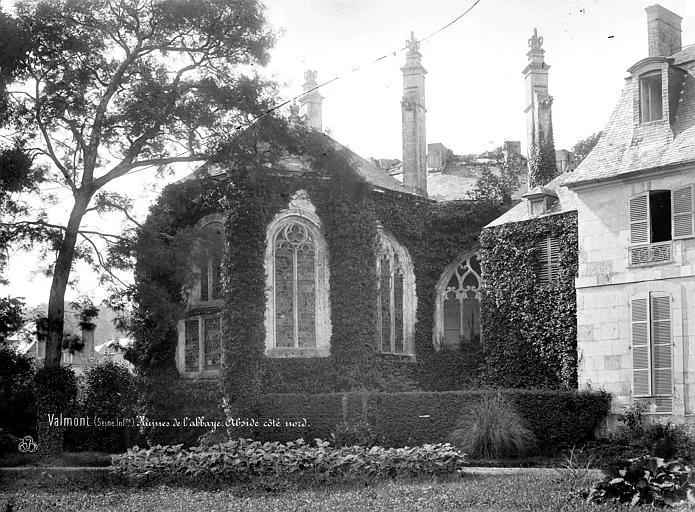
<point>645,481</point>
<point>273,465</point>
<point>178,398</point>
<point>354,433</point>
<point>110,394</point>
<point>17,398</point>
<point>56,393</point>
<point>492,428</point>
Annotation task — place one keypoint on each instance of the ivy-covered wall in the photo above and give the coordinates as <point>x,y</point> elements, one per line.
<point>529,328</point>
<point>254,191</point>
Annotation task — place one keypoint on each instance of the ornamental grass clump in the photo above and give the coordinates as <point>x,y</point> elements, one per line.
<point>492,429</point>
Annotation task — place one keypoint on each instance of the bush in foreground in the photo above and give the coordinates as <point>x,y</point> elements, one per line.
<point>275,464</point>
<point>492,428</point>
<point>646,481</point>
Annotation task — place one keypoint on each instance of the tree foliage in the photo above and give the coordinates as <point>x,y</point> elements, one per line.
<point>582,148</point>
<point>104,88</point>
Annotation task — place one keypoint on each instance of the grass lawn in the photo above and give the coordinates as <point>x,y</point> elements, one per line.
<point>471,493</point>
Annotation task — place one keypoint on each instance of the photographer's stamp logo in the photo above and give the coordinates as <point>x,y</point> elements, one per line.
<point>27,445</point>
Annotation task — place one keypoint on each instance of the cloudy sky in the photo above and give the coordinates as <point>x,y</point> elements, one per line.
<point>474,87</point>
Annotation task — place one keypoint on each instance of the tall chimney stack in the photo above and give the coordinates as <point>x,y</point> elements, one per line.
<point>311,102</point>
<point>539,121</point>
<point>664,28</point>
<point>413,118</point>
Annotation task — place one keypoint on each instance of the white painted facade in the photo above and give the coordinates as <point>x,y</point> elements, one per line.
<point>608,283</point>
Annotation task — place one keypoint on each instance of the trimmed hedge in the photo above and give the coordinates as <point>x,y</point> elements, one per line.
<point>558,418</point>
<point>165,400</point>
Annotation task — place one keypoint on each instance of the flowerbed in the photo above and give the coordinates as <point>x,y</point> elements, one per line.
<point>277,464</point>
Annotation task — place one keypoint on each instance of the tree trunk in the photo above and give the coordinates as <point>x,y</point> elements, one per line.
<point>61,276</point>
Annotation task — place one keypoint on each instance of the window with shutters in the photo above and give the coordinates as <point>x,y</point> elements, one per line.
<point>202,340</point>
<point>395,296</point>
<point>549,261</point>
<point>652,351</point>
<point>657,218</point>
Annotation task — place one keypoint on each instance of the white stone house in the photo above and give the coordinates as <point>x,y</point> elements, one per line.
<point>635,195</point>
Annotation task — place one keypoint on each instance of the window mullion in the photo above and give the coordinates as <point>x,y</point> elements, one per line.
<point>392,306</point>
<point>201,344</point>
<point>295,309</point>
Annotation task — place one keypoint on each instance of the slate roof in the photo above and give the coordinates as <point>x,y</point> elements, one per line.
<point>377,177</point>
<point>622,151</point>
<point>566,202</point>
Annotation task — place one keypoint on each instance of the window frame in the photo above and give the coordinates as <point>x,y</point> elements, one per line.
<point>549,266</point>
<point>441,287</point>
<point>199,317</point>
<point>647,80</point>
<point>682,225</point>
<point>299,210</point>
<point>649,319</point>
<point>390,249</point>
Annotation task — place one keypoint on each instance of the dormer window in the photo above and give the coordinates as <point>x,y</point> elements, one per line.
<point>540,200</point>
<point>650,97</point>
<point>537,207</point>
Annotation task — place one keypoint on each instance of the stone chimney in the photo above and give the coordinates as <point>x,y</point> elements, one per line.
<point>413,118</point>
<point>664,28</point>
<point>311,102</point>
<point>539,123</point>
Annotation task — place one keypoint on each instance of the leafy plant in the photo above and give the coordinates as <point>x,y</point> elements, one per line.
<point>72,343</point>
<point>645,481</point>
<point>17,396</point>
<point>632,417</point>
<point>275,465</point>
<point>492,428</point>
<point>354,433</point>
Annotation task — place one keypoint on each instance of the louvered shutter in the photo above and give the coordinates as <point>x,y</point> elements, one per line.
<point>549,260</point>
<point>543,254</point>
<point>683,212</point>
<point>661,345</point>
<point>554,259</point>
<point>640,347</point>
<point>639,220</point>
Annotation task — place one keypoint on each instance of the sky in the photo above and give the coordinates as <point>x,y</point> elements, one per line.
<point>474,85</point>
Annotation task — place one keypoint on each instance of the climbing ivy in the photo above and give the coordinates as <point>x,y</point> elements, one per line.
<point>530,329</point>
<point>257,187</point>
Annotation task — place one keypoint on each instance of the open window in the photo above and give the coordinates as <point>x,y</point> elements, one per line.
<point>656,218</point>
<point>650,97</point>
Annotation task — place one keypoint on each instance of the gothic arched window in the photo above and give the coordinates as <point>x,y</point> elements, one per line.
<point>297,313</point>
<point>396,300</point>
<point>457,306</point>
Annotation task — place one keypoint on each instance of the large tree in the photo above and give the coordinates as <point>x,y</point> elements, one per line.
<point>109,87</point>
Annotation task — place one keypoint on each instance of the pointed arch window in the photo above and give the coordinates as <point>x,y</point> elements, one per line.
<point>396,299</point>
<point>457,306</point>
<point>297,284</point>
